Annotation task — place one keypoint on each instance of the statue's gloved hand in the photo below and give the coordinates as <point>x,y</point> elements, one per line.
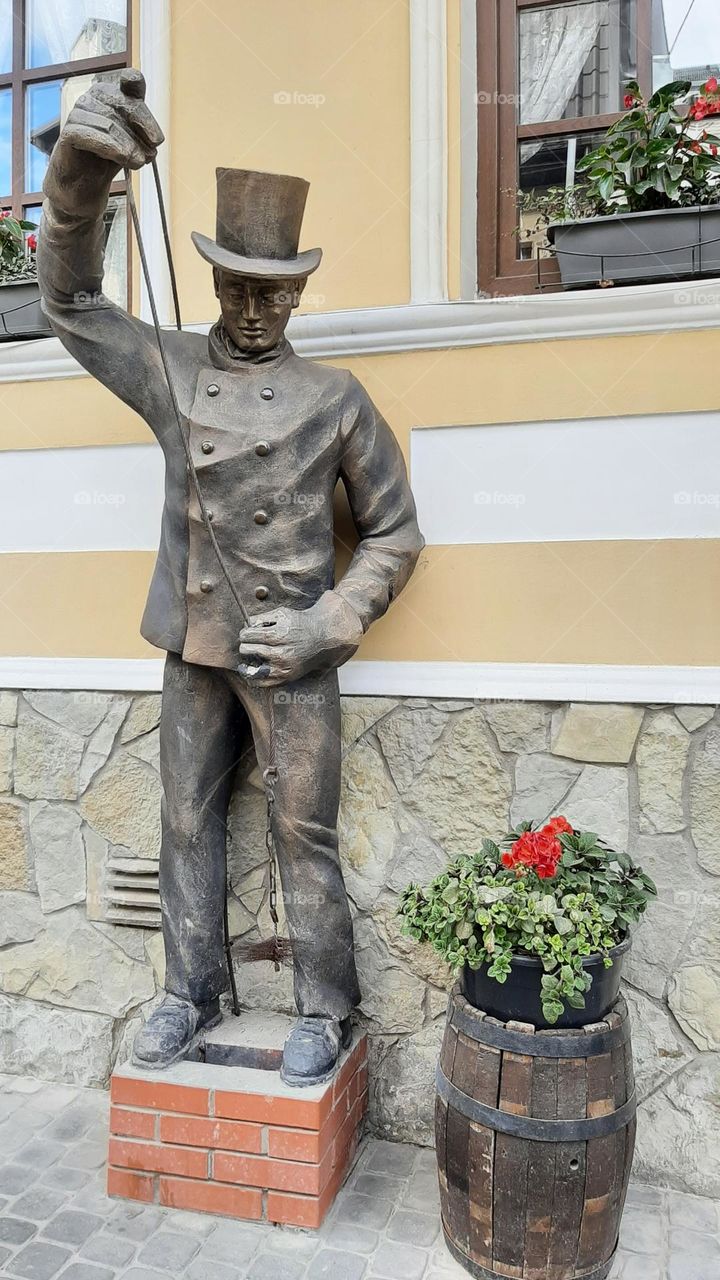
<point>290,643</point>
<point>111,121</point>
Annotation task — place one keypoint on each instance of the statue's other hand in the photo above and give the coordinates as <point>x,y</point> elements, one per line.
<point>112,121</point>
<point>290,643</point>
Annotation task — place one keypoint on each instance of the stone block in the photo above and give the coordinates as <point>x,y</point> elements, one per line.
<point>658,1050</point>
<point>8,707</point>
<point>403,1085</point>
<point>74,965</point>
<point>694,997</point>
<point>692,718</point>
<point>366,823</point>
<point>59,854</point>
<point>47,760</point>
<point>661,760</point>
<point>359,715</point>
<point>679,1131</point>
<point>705,802</point>
<point>15,856</point>
<point>21,918</point>
<point>600,802</point>
<point>518,726</point>
<point>463,793</point>
<point>58,1044</point>
<point>408,739</point>
<point>7,755</point>
<point>122,804</point>
<point>598,733</point>
<point>541,784</point>
<point>143,716</point>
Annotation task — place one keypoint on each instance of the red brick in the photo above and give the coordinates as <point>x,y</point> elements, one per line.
<point>264,1109</point>
<point>362,1079</point>
<point>230,1135</point>
<point>281,1175</point>
<point>159,1096</point>
<point>209,1197</point>
<point>349,1067</point>
<point>304,1211</point>
<point>132,1124</point>
<point>183,1161</point>
<point>131,1186</point>
<point>302,1144</point>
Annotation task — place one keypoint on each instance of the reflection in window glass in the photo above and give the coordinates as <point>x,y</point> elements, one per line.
<point>5,141</point>
<point>5,35</point>
<point>47,106</point>
<point>65,30</point>
<point>575,59</point>
<point>686,41</point>
<point>543,164</point>
<point>115,278</point>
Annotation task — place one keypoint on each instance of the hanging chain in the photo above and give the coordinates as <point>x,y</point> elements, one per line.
<point>270,774</point>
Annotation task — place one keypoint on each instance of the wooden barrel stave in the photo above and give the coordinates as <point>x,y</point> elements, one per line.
<point>518,1207</point>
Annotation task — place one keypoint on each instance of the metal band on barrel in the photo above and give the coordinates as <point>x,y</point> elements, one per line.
<point>482,1273</point>
<point>540,1046</point>
<point>529,1126</point>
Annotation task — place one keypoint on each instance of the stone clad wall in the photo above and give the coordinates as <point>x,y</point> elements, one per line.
<point>423,780</point>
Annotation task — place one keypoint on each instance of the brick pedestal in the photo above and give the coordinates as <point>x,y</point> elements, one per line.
<point>234,1140</point>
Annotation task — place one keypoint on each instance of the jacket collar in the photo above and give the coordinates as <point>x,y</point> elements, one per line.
<point>225,355</point>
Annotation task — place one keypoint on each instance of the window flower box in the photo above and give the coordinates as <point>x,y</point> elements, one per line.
<point>629,248</point>
<point>21,315</point>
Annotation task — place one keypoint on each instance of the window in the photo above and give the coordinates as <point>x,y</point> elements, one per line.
<point>51,51</point>
<point>551,80</point>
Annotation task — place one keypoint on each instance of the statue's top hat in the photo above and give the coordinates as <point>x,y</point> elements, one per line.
<point>259,216</point>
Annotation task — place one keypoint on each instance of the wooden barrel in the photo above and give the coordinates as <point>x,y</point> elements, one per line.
<point>535,1133</point>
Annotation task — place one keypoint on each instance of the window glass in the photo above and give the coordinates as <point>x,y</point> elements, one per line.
<point>47,106</point>
<point>575,59</point>
<point>65,30</point>
<point>544,164</point>
<point>5,141</point>
<point>5,35</point>
<point>686,41</point>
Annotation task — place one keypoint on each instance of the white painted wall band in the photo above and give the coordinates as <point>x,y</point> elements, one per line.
<point>487,681</point>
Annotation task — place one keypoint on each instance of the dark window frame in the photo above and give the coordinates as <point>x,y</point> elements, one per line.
<point>18,79</point>
<point>500,272</point>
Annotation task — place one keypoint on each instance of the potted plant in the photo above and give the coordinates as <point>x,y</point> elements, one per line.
<point>540,930</point>
<point>648,207</point>
<point>21,315</point>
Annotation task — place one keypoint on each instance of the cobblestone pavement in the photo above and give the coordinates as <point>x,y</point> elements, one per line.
<point>56,1221</point>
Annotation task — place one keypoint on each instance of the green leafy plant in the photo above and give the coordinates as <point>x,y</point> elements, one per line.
<point>658,155</point>
<point>556,894</point>
<point>17,253</point>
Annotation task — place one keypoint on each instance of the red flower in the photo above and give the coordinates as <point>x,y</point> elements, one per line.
<point>713,150</point>
<point>4,213</point>
<point>629,101</point>
<point>558,826</point>
<point>32,243</point>
<point>712,85</point>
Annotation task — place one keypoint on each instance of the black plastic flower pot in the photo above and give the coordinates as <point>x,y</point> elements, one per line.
<point>518,999</point>
<point>630,248</point>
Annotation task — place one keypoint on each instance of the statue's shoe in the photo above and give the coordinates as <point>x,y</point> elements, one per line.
<point>172,1030</point>
<point>312,1049</point>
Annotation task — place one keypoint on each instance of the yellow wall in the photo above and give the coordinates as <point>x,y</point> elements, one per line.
<point>630,602</point>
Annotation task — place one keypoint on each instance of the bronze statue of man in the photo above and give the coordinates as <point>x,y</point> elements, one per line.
<point>270,435</point>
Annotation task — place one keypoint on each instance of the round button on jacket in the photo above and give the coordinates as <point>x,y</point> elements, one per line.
<point>261,593</point>
<point>207,446</point>
<point>267,393</point>
<point>206,586</point>
<point>262,448</point>
<point>213,389</point>
<point>260,517</point>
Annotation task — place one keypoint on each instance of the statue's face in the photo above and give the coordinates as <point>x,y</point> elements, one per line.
<point>255,312</point>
